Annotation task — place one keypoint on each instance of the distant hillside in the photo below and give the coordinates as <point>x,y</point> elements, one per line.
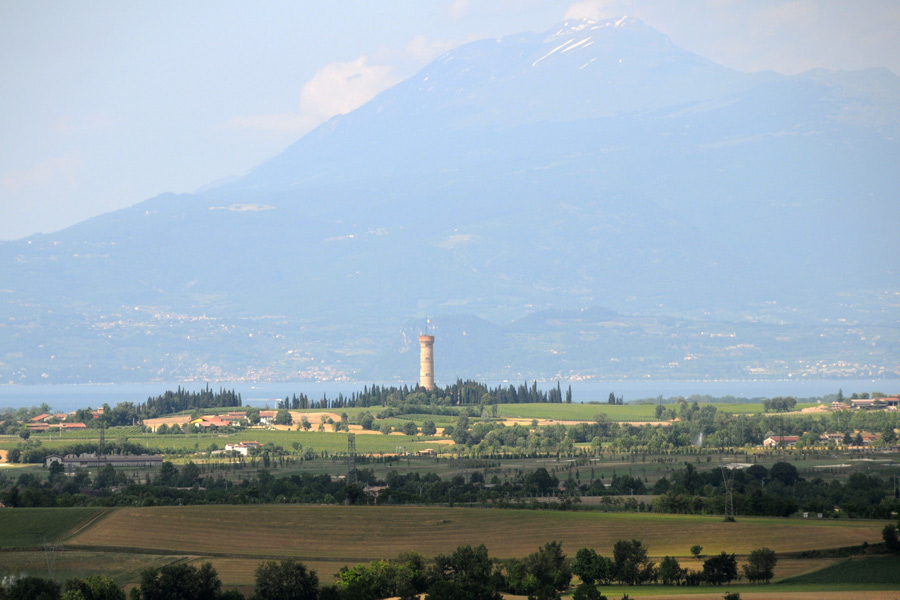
<point>505,188</point>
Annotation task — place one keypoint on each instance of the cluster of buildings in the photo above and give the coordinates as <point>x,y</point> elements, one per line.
<point>885,403</point>
<point>92,459</point>
<point>211,422</point>
<point>60,421</point>
<point>789,441</point>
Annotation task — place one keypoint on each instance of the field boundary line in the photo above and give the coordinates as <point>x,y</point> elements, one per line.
<point>171,552</point>
<point>91,521</point>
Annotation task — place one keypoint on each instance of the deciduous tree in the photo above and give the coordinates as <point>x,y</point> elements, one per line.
<point>288,579</point>
<point>760,566</point>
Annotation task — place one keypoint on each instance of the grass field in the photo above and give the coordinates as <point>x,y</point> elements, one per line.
<point>28,527</point>
<point>869,569</point>
<point>320,441</point>
<point>123,567</point>
<point>623,413</point>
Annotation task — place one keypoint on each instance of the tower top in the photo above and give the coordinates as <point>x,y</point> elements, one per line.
<point>428,326</point>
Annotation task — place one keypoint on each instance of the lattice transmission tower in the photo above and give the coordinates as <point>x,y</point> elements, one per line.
<point>351,459</point>
<point>728,478</point>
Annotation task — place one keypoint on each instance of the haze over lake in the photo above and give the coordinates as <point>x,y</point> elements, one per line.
<point>71,397</point>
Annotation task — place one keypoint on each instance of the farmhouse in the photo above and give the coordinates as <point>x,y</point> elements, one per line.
<point>374,490</point>
<point>69,426</point>
<point>243,448</point>
<point>889,403</point>
<point>781,441</point>
<point>156,423</point>
<point>267,417</point>
<point>234,419</point>
<point>862,403</point>
<point>93,460</point>
<point>210,422</point>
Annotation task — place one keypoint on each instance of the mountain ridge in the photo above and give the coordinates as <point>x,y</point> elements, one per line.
<point>543,175</point>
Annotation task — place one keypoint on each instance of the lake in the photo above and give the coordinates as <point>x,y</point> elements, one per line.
<point>65,398</point>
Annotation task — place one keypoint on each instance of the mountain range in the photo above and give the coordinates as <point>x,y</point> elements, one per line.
<point>588,202</point>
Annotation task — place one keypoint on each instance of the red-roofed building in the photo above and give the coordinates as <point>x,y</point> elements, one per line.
<point>780,441</point>
<point>68,426</point>
<point>213,421</point>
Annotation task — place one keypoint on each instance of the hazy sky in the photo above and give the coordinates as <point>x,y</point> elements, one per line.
<point>105,104</point>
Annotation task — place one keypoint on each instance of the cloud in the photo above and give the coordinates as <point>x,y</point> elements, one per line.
<point>342,87</point>
<point>51,171</point>
<point>457,9</point>
<point>595,10</point>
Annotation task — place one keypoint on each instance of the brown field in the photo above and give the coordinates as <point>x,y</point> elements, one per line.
<point>357,534</point>
<point>236,539</point>
<point>779,594</point>
<point>544,422</point>
<point>167,421</point>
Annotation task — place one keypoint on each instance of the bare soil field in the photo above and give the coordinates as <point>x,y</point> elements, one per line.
<point>773,594</point>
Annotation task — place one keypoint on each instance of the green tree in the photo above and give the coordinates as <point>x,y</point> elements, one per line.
<point>670,572</point>
<point>587,591</point>
<point>284,417</point>
<point>784,472</point>
<point>366,420</point>
<point>467,574</point>
<point>168,474</point>
<point>720,569</point>
<point>31,588</point>
<point>632,566</point>
<point>190,474</point>
<point>428,428</point>
<point>889,436</point>
<point>548,573</point>
<point>591,567</point>
<point>402,577</point>
<point>891,539</point>
<point>409,428</point>
<point>95,587</point>
<point>696,549</point>
<point>288,579</point>
<point>180,582</point>
<point>760,565</point>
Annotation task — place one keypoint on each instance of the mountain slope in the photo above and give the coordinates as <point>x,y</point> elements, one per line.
<point>596,164</point>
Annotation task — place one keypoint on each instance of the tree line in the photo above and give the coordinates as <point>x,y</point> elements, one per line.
<point>460,393</point>
<point>468,573</point>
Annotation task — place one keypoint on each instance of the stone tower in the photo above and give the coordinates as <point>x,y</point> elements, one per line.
<point>426,362</point>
